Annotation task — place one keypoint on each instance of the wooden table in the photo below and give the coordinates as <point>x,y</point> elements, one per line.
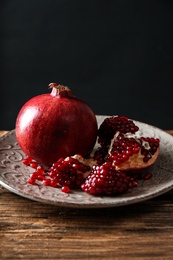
<point>31,230</point>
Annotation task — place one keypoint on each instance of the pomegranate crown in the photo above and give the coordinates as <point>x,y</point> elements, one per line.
<point>60,90</point>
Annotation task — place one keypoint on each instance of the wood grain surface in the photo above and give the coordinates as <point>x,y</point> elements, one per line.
<point>32,230</point>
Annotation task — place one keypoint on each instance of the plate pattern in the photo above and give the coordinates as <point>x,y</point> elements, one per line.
<point>14,175</point>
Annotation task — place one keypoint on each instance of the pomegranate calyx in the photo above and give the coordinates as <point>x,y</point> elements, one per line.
<point>60,90</point>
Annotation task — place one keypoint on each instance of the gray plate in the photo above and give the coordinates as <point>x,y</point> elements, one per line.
<point>14,175</point>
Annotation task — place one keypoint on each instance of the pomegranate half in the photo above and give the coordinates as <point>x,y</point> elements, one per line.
<point>55,125</point>
<point>127,152</point>
<point>123,147</point>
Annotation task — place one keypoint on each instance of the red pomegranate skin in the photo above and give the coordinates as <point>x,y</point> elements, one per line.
<point>51,126</point>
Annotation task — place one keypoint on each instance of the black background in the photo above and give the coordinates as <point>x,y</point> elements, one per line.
<point>116,55</point>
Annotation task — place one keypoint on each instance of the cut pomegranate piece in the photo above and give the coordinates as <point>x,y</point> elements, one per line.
<point>120,145</point>
<point>127,152</point>
<point>105,180</point>
<point>113,124</point>
<point>68,172</point>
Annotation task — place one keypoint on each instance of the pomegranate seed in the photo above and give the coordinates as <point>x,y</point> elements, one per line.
<point>54,183</point>
<point>65,189</point>
<point>31,181</point>
<point>41,167</point>
<point>47,182</point>
<point>34,165</point>
<point>27,160</point>
<point>40,171</point>
<point>40,177</point>
<point>34,175</point>
<point>52,174</point>
<point>148,176</point>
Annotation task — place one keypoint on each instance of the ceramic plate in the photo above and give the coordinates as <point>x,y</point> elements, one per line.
<point>14,175</point>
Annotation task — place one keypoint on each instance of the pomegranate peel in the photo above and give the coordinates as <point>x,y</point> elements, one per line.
<point>55,125</point>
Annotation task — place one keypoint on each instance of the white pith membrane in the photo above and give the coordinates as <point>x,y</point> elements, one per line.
<point>135,162</point>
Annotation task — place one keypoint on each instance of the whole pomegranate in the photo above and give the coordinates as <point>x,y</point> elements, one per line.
<point>55,125</point>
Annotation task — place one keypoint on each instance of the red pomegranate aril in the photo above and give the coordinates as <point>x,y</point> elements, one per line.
<point>34,165</point>
<point>65,189</point>
<point>27,160</point>
<point>52,174</point>
<point>47,182</point>
<point>125,157</point>
<point>148,176</point>
<point>54,183</point>
<point>55,164</point>
<point>41,167</point>
<point>31,181</point>
<point>147,158</point>
<point>136,150</point>
<point>40,171</point>
<point>34,175</point>
<point>133,184</point>
<point>40,177</point>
